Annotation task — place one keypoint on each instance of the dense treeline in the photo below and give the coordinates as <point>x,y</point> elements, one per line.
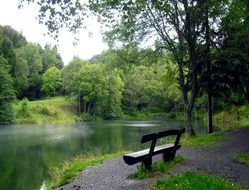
<point>106,88</point>
<point>22,66</point>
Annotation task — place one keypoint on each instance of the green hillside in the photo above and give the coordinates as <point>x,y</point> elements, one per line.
<point>52,110</point>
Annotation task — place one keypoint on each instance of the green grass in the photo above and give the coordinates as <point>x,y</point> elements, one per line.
<point>67,171</point>
<point>242,158</point>
<point>53,110</point>
<point>198,140</point>
<point>159,166</point>
<point>203,140</point>
<point>195,181</point>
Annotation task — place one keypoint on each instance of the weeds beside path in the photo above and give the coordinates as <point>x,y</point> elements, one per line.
<point>215,160</point>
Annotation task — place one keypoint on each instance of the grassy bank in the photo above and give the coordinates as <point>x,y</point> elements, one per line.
<point>68,170</point>
<point>63,110</point>
<point>232,117</point>
<point>53,110</point>
<point>203,140</point>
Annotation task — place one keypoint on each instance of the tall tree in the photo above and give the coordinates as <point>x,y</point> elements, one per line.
<point>31,53</point>
<point>7,93</point>
<point>51,81</point>
<point>51,58</point>
<point>234,48</point>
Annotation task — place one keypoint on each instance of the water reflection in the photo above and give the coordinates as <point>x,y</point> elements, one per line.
<point>26,152</point>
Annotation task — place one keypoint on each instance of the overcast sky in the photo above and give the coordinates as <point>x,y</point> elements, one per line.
<point>23,20</point>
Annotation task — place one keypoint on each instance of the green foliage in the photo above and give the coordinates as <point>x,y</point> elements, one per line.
<point>51,58</point>
<point>32,56</point>
<point>67,73</point>
<point>26,61</point>
<point>153,86</point>
<point>195,181</point>
<point>52,81</point>
<point>171,115</point>
<point>7,115</point>
<point>21,73</point>
<point>6,82</point>
<point>66,173</point>
<point>24,109</point>
<point>90,85</point>
<point>159,166</point>
<point>17,39</point>
<point>115,84</point>
<point>243,158</point>
<point>44,110</point>
<point>107,89</point>
<point>7,93</point>
<point>87,117</point>
<point>98,90</point>
<point>232,117</point>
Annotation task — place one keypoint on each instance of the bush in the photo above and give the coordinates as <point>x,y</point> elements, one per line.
<point>88,117</point>
<point>171,115</point>
<point>6,113</point>
<point>24,111</point>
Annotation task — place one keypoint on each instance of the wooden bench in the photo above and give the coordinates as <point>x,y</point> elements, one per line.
<point>145,156</point>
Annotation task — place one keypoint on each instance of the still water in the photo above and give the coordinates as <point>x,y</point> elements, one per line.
<point>28,151</point>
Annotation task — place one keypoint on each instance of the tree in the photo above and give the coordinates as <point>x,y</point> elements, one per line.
<point>51,58</point>
<point>234,48</point>
<point>97,88</point>
<point>7,51</point>
<point>31,53</point>
<point>90,84</point>
<point>17,39</point>
<point>7,93</point>
<point>52,81</point>
<point>67,74</point>
<point>21,73</point>
<point>113,107</point>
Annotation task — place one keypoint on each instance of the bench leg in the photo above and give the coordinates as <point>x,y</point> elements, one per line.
<point>169,155</point>
<point>147,163</point>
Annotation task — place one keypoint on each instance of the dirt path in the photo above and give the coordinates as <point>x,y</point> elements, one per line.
<point>215,160</point>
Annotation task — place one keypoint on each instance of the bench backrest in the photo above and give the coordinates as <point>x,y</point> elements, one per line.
<point>154,136</point>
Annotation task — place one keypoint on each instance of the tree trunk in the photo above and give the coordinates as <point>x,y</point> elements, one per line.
<point>188,123</point>
<point>209,72</point>
<point>84,107</point>
<point>210,110</point>
<point>79,104</point>
<point>89,107</point>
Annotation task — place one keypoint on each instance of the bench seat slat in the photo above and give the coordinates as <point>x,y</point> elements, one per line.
<point>146,151</point>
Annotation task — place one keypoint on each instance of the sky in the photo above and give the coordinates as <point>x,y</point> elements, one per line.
<point>24,20</point>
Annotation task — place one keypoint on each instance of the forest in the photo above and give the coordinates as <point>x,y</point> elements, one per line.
<point>201,65</point>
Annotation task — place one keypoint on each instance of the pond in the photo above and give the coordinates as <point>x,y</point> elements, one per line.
<point>28,151</point>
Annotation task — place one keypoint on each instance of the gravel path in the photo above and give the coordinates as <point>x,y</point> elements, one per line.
<point>215,160</point>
